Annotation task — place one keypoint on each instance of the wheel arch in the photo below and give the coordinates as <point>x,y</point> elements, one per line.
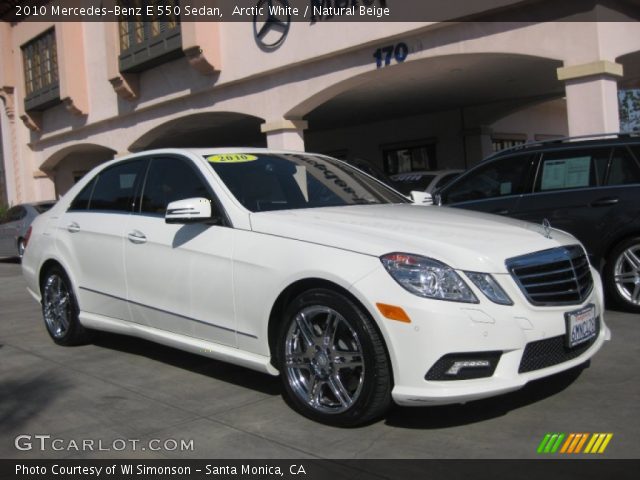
<point>306,284</point>
<point>614,296</point>
<point>47,265</point>
<point>613,243</point>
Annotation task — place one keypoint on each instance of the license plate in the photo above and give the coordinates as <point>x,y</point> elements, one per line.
<point>582,325</point>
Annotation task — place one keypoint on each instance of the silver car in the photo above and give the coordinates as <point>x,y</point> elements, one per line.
<point>14,225</point>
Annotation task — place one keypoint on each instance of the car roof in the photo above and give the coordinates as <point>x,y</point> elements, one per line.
<point>593,140</point>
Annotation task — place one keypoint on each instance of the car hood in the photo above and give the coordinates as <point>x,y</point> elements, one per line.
<point>460,238</point>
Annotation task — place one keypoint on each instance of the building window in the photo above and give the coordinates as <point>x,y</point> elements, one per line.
<point>148,40</point>
<point>500,142</point>
<point>40,61</point>
<point>409,158</point>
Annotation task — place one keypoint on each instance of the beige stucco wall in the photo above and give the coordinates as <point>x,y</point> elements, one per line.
<point>539,121</point>
<point>316,63</point>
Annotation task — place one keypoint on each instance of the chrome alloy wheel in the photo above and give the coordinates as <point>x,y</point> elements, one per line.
<point>56,305</point>
<point>324,360</point>
<point>627,274</point>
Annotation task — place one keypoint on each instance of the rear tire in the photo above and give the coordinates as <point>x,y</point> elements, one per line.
<point>333,363</point>
<point>60,309</point>
<point>622,275</point>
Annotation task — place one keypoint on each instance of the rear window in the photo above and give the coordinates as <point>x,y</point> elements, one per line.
<point>623,169</point>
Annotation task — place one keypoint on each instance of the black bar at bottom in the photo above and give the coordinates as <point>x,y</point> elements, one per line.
<point>542,469</point>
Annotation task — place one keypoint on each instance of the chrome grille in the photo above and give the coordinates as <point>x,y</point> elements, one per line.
<point>559,276</point>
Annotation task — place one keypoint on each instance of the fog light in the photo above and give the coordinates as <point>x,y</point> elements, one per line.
<point>457,366</point>
<point>464,366</point>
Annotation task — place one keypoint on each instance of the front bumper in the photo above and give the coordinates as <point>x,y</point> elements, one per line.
<point>439,328</point>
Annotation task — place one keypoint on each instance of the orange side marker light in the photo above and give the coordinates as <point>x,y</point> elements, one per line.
<point>393,313</point>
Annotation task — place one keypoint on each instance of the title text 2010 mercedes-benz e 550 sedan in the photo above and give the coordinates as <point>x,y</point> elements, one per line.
<point>300,265</point>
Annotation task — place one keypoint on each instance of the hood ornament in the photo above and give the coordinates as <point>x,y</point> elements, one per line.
<point>546,227</point>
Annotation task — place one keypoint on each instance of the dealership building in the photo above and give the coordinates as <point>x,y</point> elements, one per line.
<point>407,95</point>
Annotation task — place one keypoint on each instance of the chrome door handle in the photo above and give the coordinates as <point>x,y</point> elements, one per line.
<point>137,236</point>
<point>605,202</point>
<point>73,227</point>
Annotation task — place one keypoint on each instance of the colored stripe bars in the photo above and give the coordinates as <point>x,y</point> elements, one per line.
<point>574,442</point>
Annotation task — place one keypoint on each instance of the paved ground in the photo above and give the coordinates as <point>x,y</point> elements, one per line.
<point>123,388</point>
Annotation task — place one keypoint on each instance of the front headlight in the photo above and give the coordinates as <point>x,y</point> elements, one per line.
<point>427,277</point>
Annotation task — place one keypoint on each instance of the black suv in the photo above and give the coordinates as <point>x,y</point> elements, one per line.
<point>588,187</point>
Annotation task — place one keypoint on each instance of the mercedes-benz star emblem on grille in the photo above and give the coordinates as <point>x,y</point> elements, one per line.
<point>269,27</point>
<point>546,227</point>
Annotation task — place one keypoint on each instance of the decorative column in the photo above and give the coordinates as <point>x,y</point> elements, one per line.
<point>478,144</point>
<point>592,97</point>
<point>285,134</point>
<point>13,178</point>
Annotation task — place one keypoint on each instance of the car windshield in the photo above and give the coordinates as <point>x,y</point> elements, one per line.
<point>266,181</point>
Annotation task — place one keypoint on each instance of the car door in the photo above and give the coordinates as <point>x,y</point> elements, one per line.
<point>570,194</point>
<point>90,238</point>
<point>619,198</point>
<point>179,277</point>
<point>492,187</point>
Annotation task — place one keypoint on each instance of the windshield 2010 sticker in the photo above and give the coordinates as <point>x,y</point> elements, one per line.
<point>231,158</point>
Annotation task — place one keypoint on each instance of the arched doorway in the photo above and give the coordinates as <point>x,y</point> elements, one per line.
<point>70,164</point>
<point>437,111</point>
<point>201,130</point>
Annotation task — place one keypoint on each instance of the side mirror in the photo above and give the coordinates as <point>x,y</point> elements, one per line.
<point>421,198</point>
<point>190,210</point>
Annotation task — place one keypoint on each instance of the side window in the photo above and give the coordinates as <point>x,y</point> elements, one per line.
<point>446,179</point>
<point>170,179</point>
<point>623,169</point>
<point>81,202</point>
<point>566,170</point>
<point>502,177</point>
<point>114,187</point>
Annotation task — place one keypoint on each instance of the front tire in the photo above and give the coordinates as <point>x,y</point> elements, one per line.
<point>60,309</point>
<point>332,360</point>
<point>622,275</point>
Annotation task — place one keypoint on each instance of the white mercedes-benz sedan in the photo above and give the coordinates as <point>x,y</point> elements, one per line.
<point>299,265</point>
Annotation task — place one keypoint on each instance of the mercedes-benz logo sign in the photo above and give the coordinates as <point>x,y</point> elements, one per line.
<point>269,28</point>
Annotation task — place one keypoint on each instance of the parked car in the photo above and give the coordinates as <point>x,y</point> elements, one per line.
<point>424,181</point>
<point>370,169</point>
<point>585,186</point>
<point>300,265</point>
<point>14,225</point>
